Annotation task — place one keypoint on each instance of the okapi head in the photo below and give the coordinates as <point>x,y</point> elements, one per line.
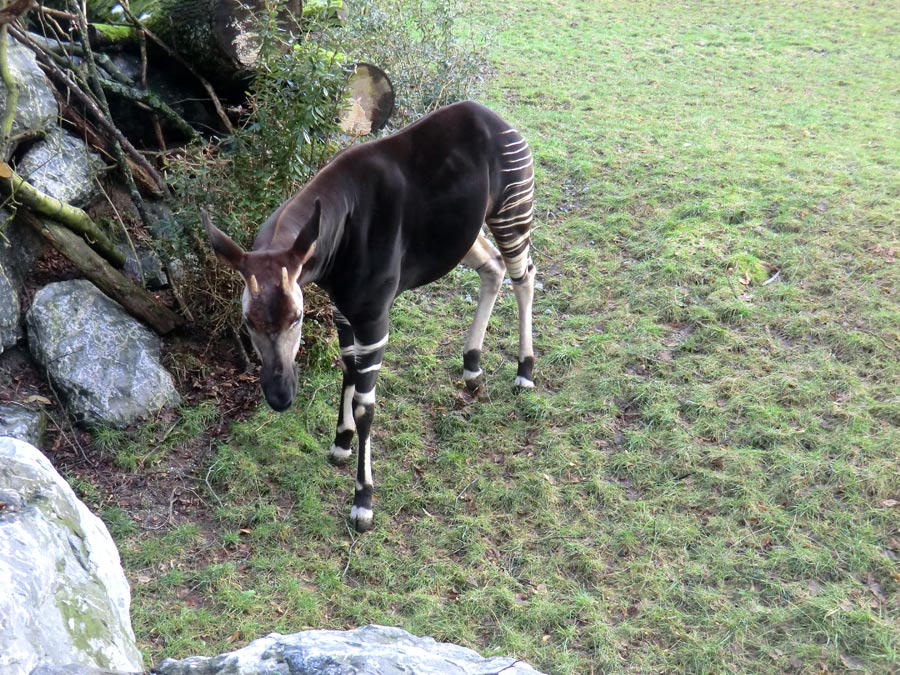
<point>272,302</point>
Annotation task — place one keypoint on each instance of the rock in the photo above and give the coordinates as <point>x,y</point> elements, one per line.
<point>20,422</point>
<point>74,669</point>
<point>104,363</point>
<point>62,166</point>
<point>368,650</point>
<point>65,598</point>
<point>36,109</point>
<point>146,269</point>
<point>10,318</point>
<point>20,247</point>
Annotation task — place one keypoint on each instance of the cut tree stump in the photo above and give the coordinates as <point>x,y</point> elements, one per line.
<point>370,100</point>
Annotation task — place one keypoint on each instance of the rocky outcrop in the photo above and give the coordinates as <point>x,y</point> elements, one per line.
<point>36,108</point>
<point>65,598</point>
<point>20,422</point>
<point>62,166</point>
<point>370,649</point>
<point>103,362</point>
<point>10,319</point>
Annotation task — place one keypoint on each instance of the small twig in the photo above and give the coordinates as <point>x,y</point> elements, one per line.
<point>125,231</point>
<point>179,297</point>
<point>309,405</point>
<point>65,415</point>
<point>731,286</point>
<point>505,668</point>
<point>354,539</point>
<point>772,279</point>
<point>209,485</point>
<point>246,366</point>
<point>96,84</point>
<point>470,484</point>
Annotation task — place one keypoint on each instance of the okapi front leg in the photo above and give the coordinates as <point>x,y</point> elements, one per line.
<point>368,362</point>
<point>340,450</point>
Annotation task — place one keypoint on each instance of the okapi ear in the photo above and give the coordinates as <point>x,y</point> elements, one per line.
<point>226,250</point>
<point>306,240</point>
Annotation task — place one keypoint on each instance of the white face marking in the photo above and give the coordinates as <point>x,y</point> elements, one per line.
<point>280,348</point>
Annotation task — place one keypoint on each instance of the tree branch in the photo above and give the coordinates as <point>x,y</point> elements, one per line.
<point>21,191</point>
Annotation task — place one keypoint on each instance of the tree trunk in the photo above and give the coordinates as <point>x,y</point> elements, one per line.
<point>219,38</point>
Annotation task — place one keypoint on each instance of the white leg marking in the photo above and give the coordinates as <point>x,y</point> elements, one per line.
<point>368,349</point>
<point>361,517</point>
<point>483,257</point>
<point>347,422</point>
<point>339,454</point>
<point>377,366</point>
<point>468,375</point>
<point>364,397</point>
<point>367,459</point>
<point>523,382</point>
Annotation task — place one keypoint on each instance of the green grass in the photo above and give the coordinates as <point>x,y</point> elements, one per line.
<point>705,479</point>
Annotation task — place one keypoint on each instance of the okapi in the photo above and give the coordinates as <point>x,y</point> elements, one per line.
<point>381,218</point>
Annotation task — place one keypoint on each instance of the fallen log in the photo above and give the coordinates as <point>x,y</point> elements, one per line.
<point>219,38</point>
<point>136,300</point>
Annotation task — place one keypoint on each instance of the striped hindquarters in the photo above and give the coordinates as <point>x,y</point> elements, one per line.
<point>510,221</point>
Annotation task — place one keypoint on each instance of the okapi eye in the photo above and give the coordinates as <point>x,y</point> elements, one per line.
<point>297,321</point>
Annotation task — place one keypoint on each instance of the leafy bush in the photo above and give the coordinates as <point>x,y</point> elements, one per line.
<point>290,129</point>
<point>430,49</point>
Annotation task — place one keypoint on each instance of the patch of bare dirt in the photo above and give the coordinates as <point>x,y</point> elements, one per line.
<point>169,486</point>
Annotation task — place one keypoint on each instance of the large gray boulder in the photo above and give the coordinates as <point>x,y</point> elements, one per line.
<point>10,317</point>
<point>20,247</point>
<point>36,109</point>
<point>23,423</point>
<point>370,650</point>
<point>64,595</point>
<point>61,166</point>
<point>103,362</point>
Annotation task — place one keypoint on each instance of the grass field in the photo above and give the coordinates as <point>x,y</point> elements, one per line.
<point>706,477</point>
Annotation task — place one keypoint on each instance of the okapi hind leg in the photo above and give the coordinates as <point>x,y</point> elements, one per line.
<point>486,260</point>
<point>524,291</point>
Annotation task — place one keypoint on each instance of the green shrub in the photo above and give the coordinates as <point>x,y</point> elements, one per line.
<point>290,129</point>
